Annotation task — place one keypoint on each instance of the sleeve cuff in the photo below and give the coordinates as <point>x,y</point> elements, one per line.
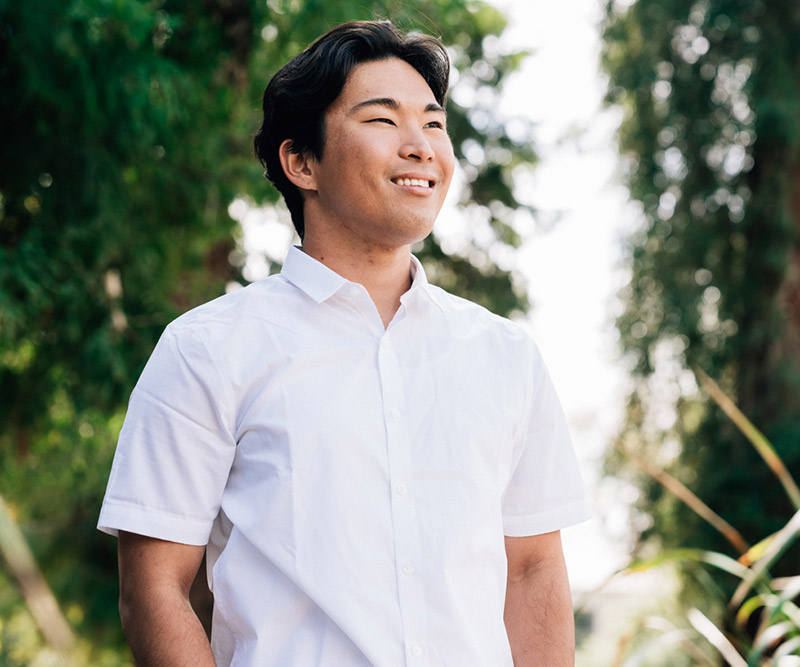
<point>117,516</point>
<point>546,522</point>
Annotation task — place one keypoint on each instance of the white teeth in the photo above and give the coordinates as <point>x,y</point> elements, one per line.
<point>413,181</point>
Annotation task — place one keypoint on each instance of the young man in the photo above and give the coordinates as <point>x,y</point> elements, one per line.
<point>377,470</point>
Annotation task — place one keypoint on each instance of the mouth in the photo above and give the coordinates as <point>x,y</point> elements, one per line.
<point>416,182</point>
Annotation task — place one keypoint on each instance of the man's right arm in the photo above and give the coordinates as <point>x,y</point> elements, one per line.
<point>157,617</point>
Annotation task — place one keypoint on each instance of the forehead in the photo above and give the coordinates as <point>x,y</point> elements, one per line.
<point>389,78</point>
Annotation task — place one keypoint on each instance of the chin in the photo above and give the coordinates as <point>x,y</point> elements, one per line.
<point>417,235</point>
<point>417,226</point>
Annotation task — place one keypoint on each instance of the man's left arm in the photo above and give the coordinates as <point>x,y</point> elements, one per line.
<point>538,613</point>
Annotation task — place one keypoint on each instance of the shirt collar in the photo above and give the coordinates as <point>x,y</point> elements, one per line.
<point>320,283</point>
<point>311,276</point>
<point>419,282</point>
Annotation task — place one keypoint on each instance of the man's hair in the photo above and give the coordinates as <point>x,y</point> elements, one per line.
<point>297,97</point>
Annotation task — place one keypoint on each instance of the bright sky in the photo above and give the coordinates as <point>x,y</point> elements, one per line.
<point>573,269</point>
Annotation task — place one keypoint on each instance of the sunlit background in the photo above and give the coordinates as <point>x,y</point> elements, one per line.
<point>128,160</point>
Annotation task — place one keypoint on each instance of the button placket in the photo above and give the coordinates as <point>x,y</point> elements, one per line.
<point>407,538</point>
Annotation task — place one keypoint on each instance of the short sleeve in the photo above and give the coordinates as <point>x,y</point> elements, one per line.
<point>545,490</point>
<point>176,446</point>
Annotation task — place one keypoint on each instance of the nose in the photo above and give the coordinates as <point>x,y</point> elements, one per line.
<point>416,147</point>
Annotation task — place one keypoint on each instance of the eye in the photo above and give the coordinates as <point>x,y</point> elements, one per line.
<point>436,124</point>
<point>388,121</point>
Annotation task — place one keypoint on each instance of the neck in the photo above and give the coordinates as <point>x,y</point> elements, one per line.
<point>384,272</point>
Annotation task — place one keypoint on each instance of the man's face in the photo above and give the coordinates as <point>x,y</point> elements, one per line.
<point>387,160</point>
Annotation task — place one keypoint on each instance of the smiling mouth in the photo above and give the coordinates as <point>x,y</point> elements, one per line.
<point>413,181</point>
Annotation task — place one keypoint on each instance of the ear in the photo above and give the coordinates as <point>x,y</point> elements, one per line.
<point>298,167</point>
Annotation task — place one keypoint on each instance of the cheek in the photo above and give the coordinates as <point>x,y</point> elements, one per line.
<point>362,158</point>
<point>448,160</point>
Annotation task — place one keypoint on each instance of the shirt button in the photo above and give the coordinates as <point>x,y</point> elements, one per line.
<point>402,489</point>
<point>395,413</point>
<point>408,568</point>
<point>416,651</point>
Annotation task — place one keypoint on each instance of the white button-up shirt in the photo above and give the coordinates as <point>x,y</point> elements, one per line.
<point>353,483</point>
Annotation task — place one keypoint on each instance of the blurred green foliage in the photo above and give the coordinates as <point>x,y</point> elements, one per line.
<point>710,138</point>
<point>127,133</point>
<point>759,624</point>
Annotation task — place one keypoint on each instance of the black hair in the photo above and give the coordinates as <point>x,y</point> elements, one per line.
<point>297,97</point>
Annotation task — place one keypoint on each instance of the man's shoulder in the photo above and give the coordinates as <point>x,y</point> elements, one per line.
<point>488,341</point>
<point>464,312</point>
<point>237,310</point>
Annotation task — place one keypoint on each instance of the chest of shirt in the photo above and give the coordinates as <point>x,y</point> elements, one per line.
<point>333,401</point>
<point>325,408</point>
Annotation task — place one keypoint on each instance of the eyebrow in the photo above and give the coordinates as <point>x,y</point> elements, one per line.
<point>392,103</point>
